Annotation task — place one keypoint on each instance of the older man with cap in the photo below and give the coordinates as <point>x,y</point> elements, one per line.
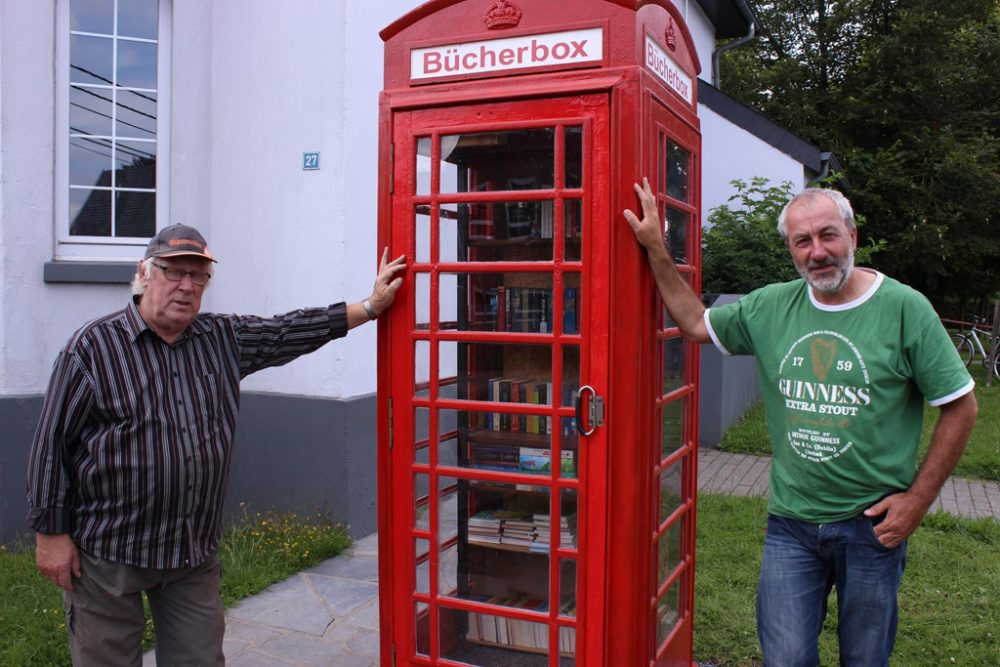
<point>130,463</point>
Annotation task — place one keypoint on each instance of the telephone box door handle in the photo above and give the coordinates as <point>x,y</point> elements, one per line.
<point>595,411</point>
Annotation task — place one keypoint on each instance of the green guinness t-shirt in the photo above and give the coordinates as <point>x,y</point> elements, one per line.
<point>844,389</point>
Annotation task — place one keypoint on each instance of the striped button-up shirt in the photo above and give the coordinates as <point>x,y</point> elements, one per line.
<point>132,453</point>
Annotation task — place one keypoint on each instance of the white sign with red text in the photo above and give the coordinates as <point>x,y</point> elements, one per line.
<point>664,67</point>
<point>571,47</point>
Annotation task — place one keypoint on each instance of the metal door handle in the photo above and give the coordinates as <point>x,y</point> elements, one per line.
<point>595,410</point>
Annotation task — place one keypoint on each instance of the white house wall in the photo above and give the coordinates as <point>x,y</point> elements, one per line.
<point>729,152</point>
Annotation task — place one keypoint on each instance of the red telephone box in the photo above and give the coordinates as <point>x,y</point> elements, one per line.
<point>537,407</point>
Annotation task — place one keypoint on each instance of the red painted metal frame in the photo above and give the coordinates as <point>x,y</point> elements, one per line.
<point>621,331</point>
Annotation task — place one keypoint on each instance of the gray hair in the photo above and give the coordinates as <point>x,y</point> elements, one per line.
<point>138,289</point>
<point>810,195</point>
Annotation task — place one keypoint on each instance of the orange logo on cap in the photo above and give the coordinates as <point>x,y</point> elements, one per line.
<point>185,242</point>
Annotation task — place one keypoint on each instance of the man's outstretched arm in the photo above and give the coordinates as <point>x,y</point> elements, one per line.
<point>685,307</point>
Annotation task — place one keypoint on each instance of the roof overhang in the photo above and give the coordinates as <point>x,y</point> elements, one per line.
<point>727,17</point>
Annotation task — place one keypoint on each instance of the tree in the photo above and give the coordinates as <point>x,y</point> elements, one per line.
<point>742,249</point>
<point>905,93</point>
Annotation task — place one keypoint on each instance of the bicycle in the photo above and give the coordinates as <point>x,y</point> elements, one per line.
<point>968,343</point>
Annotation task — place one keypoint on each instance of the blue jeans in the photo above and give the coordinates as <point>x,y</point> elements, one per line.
<point>802,562</point>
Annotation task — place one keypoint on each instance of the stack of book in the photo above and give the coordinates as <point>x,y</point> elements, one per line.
<point>543,526</point>
<point>511,527</point>
<point>518,532</point>
<point>484,528</point>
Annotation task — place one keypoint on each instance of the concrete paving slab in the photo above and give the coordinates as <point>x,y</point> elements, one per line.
<point>302,650</point>
<point>290,605</point>
<point>342,595</point>
<point>364,568</point>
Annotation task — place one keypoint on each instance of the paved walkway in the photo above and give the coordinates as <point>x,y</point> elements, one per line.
<point>328,616</point>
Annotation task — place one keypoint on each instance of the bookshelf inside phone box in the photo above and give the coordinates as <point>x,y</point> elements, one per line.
<point>536,404</point>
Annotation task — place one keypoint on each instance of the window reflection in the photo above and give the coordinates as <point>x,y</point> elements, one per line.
<point>137,18</point>
<point>112,118</point>
<point>677,233</point>
<point>92,15</point>
<point>677,167</point>
<point>136,64</point>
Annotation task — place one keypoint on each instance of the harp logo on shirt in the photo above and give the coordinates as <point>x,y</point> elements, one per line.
<point>823,353</point>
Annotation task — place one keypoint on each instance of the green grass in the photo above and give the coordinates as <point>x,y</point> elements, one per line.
<point>949,610</point>
<point>980,461</point>
<point>256,552</point>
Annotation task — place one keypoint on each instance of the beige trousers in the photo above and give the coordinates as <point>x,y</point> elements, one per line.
<point>104,615</point>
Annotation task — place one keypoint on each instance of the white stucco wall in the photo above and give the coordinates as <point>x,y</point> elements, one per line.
<point>730,152</point>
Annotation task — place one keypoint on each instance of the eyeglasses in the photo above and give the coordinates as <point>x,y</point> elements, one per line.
<point>199,278</point>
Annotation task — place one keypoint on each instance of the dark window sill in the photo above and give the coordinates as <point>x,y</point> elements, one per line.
<point>89,272</point>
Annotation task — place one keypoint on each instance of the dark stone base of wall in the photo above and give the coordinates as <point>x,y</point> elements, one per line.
<point>292,454</point>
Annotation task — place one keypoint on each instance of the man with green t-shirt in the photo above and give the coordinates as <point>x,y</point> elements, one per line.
<point>847,356</point>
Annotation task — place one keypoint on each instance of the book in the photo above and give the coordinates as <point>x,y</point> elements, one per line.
<point>569,311</point>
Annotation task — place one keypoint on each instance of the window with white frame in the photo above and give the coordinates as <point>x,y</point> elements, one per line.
<point>110,153</point>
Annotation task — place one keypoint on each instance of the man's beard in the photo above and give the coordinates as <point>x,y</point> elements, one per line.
<point>833,283</point>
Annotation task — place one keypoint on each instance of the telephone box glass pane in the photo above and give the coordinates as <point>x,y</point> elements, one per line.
<point>573,229</point>
<point>678,167</point>
<point>668,611</point>
<point>511,231</point>
<point>669,549</point>
<point>476,440</point>
<point>495,557</point>
<point>571,377</point>
<point>670,490</point>
<point>422,169</point>
<point>571,304</point>
<point>567,647</point>
<point>573,141</point>
<point>447,301</point>
<point>677,234</point>
<point>489,370</point>
<point>672,432</point>
<point>448,233</point>
<point>520,302</point>
<point>673,364</point>
<point>422,236</point>
<point>567,587</point>
<point>421,436</point>
<point>421,557</point>
<point>422,368</point>
<point>489,640</point>
<point>422,618</point>
<point>422,309</point>
<point>421,502</point>
<point>509,160</point>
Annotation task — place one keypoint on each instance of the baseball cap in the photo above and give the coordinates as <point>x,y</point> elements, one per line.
<point>178,240</point>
